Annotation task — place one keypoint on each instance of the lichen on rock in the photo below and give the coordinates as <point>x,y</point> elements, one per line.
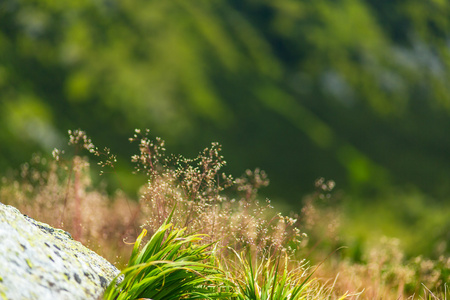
<point>38,261</point>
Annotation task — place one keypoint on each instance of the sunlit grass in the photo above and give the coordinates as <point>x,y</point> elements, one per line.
<point>267,278</point>
<point>171,265</point>
<point>208,235</point>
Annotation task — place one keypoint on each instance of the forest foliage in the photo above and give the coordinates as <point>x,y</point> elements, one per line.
<point>352,90</point>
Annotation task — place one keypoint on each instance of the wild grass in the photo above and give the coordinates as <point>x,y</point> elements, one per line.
<point>221,241</point>
<point>266,278</point>
<point>171,265</point>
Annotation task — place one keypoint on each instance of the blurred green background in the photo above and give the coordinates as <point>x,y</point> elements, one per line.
<point>357,91</point>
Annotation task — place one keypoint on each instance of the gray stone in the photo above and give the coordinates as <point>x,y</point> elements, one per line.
<point>41,262</point>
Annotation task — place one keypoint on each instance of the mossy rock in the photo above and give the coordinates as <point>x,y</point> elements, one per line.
<point>38,261</point>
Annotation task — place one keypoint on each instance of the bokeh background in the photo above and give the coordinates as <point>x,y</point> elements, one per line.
<point>357,91</point>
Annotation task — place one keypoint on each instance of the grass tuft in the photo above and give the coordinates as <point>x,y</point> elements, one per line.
<point>171,265</point>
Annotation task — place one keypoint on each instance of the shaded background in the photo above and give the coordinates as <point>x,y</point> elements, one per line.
<point>357,91</point>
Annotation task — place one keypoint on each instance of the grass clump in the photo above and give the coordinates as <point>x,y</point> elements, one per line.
<point>209,201</point>
<point>171,265</point>
<point>267,279</point>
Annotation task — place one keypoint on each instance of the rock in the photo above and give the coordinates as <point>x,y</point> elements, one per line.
<point>41,262</point>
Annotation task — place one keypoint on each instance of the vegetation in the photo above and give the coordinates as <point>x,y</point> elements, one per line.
<point>352,90</point>
<point>170,266</point>
<point>210,234</point>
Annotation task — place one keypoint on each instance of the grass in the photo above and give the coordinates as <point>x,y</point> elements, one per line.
<point>264,279</point>
<point>171,265</point>
<point>207,235</point>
